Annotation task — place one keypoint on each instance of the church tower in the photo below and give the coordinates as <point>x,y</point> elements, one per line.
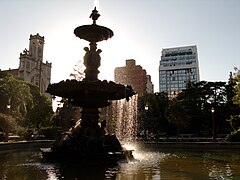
<point>36,47</point>
<point>32,69</point>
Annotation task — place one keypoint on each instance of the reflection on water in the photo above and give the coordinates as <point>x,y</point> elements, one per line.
<point>150,165</point>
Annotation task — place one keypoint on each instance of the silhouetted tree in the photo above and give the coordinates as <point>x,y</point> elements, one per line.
<point>177,114</point>
<point>235,116</point>
<point>67,115</point>
<point>199,98</point>
<point>152,109</point>
<point>78,71</point>
<point>40,114</point>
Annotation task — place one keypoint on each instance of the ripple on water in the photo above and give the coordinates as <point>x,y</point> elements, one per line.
<point>52,170</point>
<point>146,166</point>
<point>152,165</point>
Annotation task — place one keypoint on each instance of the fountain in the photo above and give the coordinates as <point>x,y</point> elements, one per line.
<point>87,141</point>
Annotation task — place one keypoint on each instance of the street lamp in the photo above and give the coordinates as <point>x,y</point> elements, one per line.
<point>145,113</point>
<point>144,123</point>
<point>146,107</point>
<point>213,124</point>
<point>6,131</point>
<point>8,107</point>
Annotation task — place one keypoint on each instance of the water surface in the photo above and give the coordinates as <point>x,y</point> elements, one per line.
<point>150,165</point>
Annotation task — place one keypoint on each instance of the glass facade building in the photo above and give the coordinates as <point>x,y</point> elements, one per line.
<point>178,66</point>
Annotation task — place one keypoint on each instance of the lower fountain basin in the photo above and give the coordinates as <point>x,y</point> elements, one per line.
<point>75,156</point>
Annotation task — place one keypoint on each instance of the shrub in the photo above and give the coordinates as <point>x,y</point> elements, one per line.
<point>51,132</point>
<point>234,136</point>
<point>2,136</point>
<point>7,123</point>
<point>24,133</point>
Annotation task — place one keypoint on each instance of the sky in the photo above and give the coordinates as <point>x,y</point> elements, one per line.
<point>142,28</point>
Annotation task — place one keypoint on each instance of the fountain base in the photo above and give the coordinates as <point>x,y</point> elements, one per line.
<point>76,146</point>
<point>51,155</point>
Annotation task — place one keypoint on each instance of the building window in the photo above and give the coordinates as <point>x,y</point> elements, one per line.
<point>21,75</point>
<point>28,65</point>
<point>22,64</point>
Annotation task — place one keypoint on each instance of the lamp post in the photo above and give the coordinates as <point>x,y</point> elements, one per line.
<point>8,108</point>
<point>213,124</point>
<point>146,107</point>
<point>144,123</point>
<point>6,131</point>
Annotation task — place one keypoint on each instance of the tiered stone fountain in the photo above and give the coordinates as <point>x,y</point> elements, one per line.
<point>87,141</point>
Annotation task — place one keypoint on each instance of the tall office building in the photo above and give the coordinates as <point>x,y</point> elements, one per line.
<point>135,76</point>
<point>178,66</point>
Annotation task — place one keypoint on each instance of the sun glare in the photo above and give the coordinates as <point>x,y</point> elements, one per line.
<point>114,54</point>
<point>130,146</point>
<point>96,3</point>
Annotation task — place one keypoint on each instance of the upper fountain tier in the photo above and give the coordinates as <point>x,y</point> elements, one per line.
<point>91,92</point>
<point>94,32</point>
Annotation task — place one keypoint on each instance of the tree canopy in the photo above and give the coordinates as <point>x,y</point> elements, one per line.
<point>15,96</point>
<point>22,103</point>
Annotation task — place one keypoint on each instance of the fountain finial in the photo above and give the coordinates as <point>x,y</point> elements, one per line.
<point>93,33</point>
<point>94,15</point>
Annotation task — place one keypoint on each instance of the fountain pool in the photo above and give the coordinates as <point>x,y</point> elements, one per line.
<point>150,165</point>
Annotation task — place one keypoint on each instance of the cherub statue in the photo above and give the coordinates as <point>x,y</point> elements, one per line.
<point>92,58</point>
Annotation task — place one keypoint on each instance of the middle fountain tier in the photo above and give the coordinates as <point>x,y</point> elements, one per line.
<point>87,141</point>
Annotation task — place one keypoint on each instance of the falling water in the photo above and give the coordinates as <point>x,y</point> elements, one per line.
<point>121,119</point>
<point>126,122</point>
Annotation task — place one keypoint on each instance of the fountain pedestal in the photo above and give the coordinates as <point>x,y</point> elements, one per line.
<point>87,141</point>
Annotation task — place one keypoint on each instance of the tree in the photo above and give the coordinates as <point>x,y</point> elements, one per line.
<point>40,113</point>
<point>236,98</point>
<point>67,115</point>
<point>235,117</point>
<point>7,123</point>
<point>152,109</point>
<point>159,108</point>
<point>199,98</point>
<point>177,114</point>
<point>24,102</point>
<point>14,96</point>
<point>193,100</point>
<point>78,71</point>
